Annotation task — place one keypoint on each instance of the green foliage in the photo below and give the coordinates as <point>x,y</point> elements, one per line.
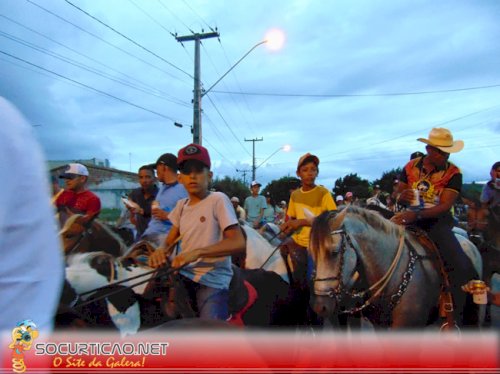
<point>232,187</point>
<point>471,191</point>
<point>280,188</point>
<point>386,182</point>
<point>109,214</point>
<point>351,182</point>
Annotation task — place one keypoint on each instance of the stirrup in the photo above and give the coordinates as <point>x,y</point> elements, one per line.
<point>445,326</point>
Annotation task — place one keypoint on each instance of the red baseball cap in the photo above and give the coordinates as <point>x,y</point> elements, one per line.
<point>193,152</point>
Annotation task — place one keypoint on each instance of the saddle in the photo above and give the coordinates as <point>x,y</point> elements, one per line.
<point>445,298</point>
<point>242,296</point>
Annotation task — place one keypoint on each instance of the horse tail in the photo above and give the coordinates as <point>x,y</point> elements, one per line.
<point>320,234</point>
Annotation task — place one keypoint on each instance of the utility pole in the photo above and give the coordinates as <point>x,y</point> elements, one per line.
<point>253,162</point>
<point>197,80</point>
<point>244,172</point>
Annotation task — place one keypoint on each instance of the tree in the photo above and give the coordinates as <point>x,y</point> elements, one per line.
<point>231,187</point>
<point>387,180</point>
<point>351,182</point>
<point>280,189</point>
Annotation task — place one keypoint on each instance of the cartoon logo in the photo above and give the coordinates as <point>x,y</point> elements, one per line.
<point>22,339</point>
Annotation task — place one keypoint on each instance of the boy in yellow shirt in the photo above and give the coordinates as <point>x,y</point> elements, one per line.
<point>316,199</point>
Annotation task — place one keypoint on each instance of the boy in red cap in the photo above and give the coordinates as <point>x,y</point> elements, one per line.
<point>210,235</point>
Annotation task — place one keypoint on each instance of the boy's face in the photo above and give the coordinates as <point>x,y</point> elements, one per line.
<point>308,173</point>
<point>146,178</point>
<point>195,178</point>
<point>255,189</point>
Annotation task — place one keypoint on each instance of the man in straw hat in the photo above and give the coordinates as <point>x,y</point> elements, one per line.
<point>438,183</point>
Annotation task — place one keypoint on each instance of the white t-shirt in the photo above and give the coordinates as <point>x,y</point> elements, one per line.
<point>201,225</point>
<point>31,266</point>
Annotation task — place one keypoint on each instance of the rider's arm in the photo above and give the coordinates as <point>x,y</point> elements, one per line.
<point>232,242</point>
<point>159,257</point>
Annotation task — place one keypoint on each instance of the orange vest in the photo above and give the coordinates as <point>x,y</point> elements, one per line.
<point>431,185</point>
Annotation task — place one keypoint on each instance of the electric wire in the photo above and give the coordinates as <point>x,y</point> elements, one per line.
<point>196,13</point>
<point>89,87</point>
<point>129,39</point>
<point>359,95</point>
<point>218,74</point>
<point>175,15</point>
<point>105,41</point>
<point>90,69</point>
<point>227,125</point>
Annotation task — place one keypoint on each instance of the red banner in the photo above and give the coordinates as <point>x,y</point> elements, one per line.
<point>197,352</point>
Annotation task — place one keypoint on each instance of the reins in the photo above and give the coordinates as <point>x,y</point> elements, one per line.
<point>378,287</point>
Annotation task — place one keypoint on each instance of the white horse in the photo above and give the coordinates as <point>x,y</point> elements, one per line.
<point>90,271</point>
<point>261,252</point>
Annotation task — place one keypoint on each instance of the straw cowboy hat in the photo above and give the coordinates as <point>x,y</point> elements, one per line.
<point>442,139</point>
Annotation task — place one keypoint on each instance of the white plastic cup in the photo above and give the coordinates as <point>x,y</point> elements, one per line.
<point>416,198</point>
<point>479,295</point>
<point>155,204</point>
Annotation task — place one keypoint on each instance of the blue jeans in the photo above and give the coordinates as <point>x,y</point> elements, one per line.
<point>210,303</point>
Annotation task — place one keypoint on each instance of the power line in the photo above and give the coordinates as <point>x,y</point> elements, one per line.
<point>175,15</point>
<point>105,41</point>
<point>89,87</point>
<point>358,95</point>
<point>81,54</point>
<point>202,20</point>
<point>218,74</point>
<point>95,71</point>
<point>418,131</point>
<point>227,124</point>
<point>129,39</point>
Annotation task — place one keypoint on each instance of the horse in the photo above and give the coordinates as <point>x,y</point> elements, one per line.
<point>357,247</point>
<point>128,306</point>
<point>79,236</point>
<point>258,293</point>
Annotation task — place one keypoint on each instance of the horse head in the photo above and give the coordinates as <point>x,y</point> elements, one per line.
<point>82,234</point>
<point>335,261</point>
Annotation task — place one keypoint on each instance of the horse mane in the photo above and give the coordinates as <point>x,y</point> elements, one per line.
<point>100,226</point>
<point>374,219</point>
<point>321,240</point>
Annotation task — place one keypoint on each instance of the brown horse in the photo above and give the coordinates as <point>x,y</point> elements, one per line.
<point>365,263</point>
<point>80,236</point>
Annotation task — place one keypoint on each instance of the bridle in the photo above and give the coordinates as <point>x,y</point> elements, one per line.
<point>87,230</point>
<point>340,293</point>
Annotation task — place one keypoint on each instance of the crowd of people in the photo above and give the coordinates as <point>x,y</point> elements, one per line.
<point>206,223</point>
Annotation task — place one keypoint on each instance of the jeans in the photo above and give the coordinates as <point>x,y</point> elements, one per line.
<point>457,264</point>
<point>211,303</point>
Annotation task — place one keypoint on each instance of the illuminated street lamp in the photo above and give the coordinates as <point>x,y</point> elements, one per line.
<point>285,148</point>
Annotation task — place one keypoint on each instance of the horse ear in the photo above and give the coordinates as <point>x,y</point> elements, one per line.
<point>339,218</point>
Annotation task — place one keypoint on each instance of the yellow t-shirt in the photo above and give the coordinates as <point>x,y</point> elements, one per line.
<point>317,200</point>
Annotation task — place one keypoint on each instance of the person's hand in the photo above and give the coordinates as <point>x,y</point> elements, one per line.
<point>406,197</point>
<point>184,258</point>
<point>404,218</point>
<point>470,288</point>
<point>256,224</point>
<point>290,226</point>
<point>160,214</point>
<point>158,258</point>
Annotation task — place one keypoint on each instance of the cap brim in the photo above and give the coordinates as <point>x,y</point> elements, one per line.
<point>457,146</point>
<point>69,175</point>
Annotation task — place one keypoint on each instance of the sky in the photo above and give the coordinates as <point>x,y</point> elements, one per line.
<point>355,82</point>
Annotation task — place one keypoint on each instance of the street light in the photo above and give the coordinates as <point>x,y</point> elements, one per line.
<point>177,124</point>
<point>285,148</point>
